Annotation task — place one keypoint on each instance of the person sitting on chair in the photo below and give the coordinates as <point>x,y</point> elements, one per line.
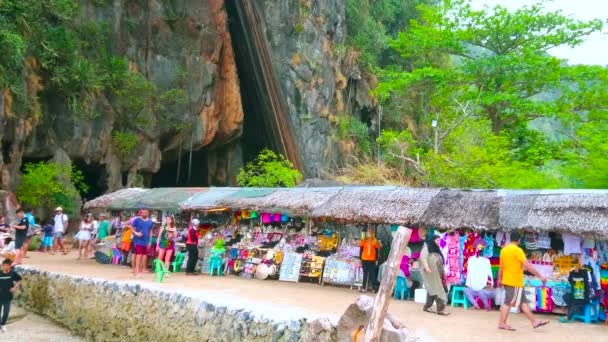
<point>479,274</point>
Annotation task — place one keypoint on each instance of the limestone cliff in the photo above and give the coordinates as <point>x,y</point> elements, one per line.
<point>317,84</point>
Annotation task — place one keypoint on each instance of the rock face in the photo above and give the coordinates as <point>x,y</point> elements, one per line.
<point>318,82</point>
<point>114,311</point>
<point>194,38</point>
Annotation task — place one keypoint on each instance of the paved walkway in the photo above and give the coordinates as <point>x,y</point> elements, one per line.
<point>329,301</point>
<point>23,326</point>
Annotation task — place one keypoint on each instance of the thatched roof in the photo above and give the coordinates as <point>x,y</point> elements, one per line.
<point>463,208</point>
<point>581,212</point>
<point>114,199</point>
<point>378,205</point>
<point>298,201</point>
<point>577,211</point>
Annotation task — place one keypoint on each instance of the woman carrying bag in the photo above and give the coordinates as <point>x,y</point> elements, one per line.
<point>433,275</point>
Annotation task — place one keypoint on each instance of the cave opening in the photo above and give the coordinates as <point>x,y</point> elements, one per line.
<point>94,175</point>
<point>167,175</point>
<point>257,130</point>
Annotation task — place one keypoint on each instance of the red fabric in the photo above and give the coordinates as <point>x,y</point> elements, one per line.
<point>192,238</point>
<point>469,250</point>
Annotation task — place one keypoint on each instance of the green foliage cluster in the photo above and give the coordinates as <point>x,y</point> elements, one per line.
<point>50,185</point>
<point>125,142</point>
<point>351,129</point>
<point>509,114</point>
<point>269,170</point>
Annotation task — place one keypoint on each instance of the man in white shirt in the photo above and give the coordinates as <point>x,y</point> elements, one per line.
<point>479,272</point>
<point>59,228</point>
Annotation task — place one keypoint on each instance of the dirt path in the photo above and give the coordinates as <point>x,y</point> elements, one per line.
<point>24,326</point>
<point>314,300</point>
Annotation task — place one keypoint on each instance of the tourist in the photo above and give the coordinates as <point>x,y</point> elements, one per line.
<point>165,243</point>
<point>30,231</point>
<point>479,278</point>
<point>104,227</point>
<point>369,260</point>
<point>8,251</point>
<point>511,276</point>
<point>141,230</point>
<point>21,229</point>
<point>4,228</point>
<point>9,282</point>
<point>192,247</point>
<point>84,236</point>
<point>47,237</point>
<point>125,243</point>
<point>60,226</point>
<point>433,276</point>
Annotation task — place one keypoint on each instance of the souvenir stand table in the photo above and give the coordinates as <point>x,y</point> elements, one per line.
<point>290,267</point>
<point>345,272</point>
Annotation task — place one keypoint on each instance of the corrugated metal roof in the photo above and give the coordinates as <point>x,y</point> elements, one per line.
<point>208,199</point>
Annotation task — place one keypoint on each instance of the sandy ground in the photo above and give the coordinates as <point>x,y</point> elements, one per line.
<point>329,301</point>
<point>24,326</point>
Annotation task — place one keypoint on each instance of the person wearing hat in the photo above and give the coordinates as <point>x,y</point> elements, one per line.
<point>433,275</point>
<point>479,277</point>
<point>60,227</point>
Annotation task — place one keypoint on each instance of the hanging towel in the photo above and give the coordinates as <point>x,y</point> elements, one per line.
<point>266,218</point>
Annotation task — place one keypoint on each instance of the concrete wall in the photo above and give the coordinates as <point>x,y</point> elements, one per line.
<point>103,310</point>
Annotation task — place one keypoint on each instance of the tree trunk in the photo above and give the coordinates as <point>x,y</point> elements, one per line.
<point>373,331</point>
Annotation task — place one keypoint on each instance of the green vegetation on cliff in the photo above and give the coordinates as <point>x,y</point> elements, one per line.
<point>269,170</point>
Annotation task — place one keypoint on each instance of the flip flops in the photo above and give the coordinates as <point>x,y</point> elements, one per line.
<point>429,311</point>
<point>507,327</point>
<point>540,324</point>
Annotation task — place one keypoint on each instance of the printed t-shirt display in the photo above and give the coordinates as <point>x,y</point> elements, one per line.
<point>512,258</point>
<point>572,244</point>
<point>579,280</point>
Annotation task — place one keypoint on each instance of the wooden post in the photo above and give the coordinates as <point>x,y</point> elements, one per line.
<point>373,330</point>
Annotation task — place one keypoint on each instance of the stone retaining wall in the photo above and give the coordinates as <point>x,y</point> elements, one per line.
<point>102,310</point>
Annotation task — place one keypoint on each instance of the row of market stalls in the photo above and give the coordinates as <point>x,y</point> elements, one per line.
<point>574,211</point>
<point>312,234</point>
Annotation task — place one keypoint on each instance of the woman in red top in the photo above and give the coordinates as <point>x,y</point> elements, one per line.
<point>369,260</point>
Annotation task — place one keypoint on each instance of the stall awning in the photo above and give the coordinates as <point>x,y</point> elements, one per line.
<point>208,199</point>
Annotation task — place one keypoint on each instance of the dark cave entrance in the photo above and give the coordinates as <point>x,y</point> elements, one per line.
<point>167,174</point>
<point>257,131</point>
<point>95,176</point>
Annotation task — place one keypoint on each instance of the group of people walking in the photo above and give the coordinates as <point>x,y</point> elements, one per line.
<point>510,276</point>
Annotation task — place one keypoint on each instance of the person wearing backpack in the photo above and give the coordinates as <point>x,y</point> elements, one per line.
<point>60,227</point>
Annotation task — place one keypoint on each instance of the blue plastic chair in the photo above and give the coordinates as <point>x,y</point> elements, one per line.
<point>458,297</point>
<point>590,313</point>
<point>401,289</point>
<point>215,264</point>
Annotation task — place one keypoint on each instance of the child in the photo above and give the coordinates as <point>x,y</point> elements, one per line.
<point>47,239</point>
<point>9,282</point>
<point>8,251</point>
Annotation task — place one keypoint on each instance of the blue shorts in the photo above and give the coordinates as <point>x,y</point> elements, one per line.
<point>58,235</point>
<point>47,241</point>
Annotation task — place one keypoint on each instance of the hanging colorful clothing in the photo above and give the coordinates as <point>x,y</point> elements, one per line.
<point>488,251</point>
<point>454,275</point>
<point>469,250</point>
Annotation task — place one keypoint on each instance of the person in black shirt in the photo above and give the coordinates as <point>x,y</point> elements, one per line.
<point>9,282</point>
<point>21,229</point>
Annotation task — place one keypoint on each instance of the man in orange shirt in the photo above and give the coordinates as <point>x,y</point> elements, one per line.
<point>511,276</point>
<point>369,259</point>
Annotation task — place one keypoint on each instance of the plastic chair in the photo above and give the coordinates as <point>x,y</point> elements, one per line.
<point>116,256</point>
<point>401,289</point>
<point>160,270</point>
<point>215,264</point>
<point>178,261</point>
<point>590,313</point>
<point>458,297</point>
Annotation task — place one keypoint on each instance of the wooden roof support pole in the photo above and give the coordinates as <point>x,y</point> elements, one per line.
<point>373,331</point>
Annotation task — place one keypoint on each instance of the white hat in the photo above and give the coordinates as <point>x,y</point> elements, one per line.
<point>59,209</point>
<point>6,235</point>
<point>195,222</point>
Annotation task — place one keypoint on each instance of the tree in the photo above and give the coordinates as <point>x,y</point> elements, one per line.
<point>269,170</point>
<point>500,84</point>
<point>50,185</point>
